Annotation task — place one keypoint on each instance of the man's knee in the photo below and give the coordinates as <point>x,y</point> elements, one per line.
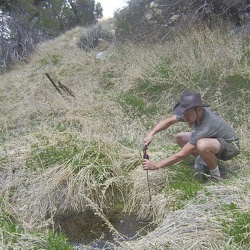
<point>208,144</point>
<point>182,138</point>
<point>201,145</point>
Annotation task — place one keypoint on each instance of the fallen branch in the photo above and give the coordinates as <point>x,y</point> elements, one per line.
<point>61,88</point>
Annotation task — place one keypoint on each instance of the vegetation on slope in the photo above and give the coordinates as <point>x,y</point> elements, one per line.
<point>63,155</point>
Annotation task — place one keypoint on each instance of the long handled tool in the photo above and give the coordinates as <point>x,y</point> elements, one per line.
<point>146,156</point>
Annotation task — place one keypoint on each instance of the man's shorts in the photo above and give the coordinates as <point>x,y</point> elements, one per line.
<point>228,149</point>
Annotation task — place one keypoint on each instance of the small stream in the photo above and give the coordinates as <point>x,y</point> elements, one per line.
<point>88,229</point>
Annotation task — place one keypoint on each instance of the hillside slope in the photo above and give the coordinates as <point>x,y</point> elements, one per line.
<point>63,155</point>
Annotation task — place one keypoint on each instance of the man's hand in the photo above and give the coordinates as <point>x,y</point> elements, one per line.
<point>148,139</point>
<point>149,165</point>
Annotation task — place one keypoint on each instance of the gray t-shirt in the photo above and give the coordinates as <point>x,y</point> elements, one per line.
<point>211,126</point>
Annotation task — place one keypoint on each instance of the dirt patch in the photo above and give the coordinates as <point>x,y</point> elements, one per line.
<point>87,228</point>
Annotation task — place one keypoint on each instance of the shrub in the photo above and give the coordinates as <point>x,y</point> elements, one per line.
<point>93,36</point>
<point>153,20</point>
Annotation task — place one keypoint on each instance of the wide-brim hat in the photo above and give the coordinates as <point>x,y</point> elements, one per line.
<point>187,101</point>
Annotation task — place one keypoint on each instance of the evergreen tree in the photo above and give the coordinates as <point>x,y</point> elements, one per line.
<point>26,22</point>
<point>98,10</point>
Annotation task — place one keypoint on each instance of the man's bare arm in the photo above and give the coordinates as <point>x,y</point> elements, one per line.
<point>159,127</point>
<point>179,156</point>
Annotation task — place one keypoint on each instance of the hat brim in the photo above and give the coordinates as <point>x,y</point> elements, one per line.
<point>179,110</point>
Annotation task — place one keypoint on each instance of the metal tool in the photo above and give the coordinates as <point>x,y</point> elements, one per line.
<point>146,156</point>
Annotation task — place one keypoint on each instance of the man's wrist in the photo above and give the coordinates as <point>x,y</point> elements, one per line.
<point>157,166</point>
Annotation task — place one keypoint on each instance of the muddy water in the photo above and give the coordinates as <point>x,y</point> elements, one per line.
<point>88,229</point>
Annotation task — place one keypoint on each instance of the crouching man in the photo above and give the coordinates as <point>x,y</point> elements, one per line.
<point>212,138</point>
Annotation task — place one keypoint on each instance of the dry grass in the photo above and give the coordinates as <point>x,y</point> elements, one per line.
<point>35,118</point>
<point>199,224</point>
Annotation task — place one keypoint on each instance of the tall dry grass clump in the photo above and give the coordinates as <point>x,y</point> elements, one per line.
<point>62,155</point>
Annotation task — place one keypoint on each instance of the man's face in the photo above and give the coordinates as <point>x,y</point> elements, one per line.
<point>190,116</point>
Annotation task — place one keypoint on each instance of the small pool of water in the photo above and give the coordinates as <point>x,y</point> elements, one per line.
<point>86,228</point>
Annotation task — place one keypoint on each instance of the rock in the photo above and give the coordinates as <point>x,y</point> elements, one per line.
<point>102,55</point>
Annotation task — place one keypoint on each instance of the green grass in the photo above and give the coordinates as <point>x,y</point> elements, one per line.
<point>10,229</point>
<point>135,106</point>
<point>154,83</point>
<point>238,227</point>
<point>245,58</point>
<point>12,233</point>
<point>183,184</point>
<point>236,85</point>
<point>54,59</point>
<point>107,79</point>
<point>77,153</point>
<point>42,157</point>
<point>163,68</point>
<point>57,241</point>
<point>143,98</point>
<point>73,151</point>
